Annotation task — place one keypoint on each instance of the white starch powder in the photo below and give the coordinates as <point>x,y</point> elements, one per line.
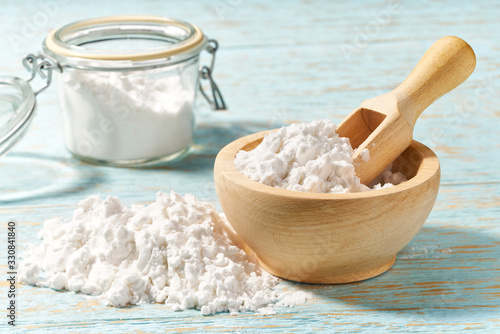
<point>173,251</point>
<point>308,157</point>
<point>126,115</point>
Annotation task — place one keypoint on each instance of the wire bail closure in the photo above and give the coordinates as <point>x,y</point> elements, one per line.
<point>217,101</point>
<point>44,69</point>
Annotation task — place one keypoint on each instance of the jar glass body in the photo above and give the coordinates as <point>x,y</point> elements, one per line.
<point>129,117</point>
<point>127,86</point>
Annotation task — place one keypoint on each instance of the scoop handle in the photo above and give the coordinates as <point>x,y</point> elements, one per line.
<point>446,64</point>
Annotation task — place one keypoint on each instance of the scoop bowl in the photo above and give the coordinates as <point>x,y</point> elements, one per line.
<point>326,238</point>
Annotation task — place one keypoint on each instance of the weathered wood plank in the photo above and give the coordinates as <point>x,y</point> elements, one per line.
<point>283,62</point>
<point>449,274</point>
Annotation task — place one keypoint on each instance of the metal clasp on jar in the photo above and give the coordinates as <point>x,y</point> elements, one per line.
<point>217,101</point>
<point>43,68</point>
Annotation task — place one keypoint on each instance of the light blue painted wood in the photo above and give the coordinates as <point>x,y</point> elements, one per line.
<point>282,62</point>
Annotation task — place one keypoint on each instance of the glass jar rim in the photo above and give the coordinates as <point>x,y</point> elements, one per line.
<point>19,96</point>
<point>59,42</point>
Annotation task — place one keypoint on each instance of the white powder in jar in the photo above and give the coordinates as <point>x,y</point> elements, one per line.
<point>173,251</point>
<point>308,157</point>
<point>126,115</point>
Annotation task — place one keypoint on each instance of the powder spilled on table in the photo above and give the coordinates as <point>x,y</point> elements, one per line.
<point>173,251</point>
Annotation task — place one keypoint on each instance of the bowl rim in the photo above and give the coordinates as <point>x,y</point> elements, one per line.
<point>224,166</point>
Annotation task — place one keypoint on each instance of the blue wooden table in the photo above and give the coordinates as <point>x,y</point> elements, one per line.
<point>282,62</point>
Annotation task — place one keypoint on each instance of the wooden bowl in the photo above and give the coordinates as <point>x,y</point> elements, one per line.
<point>326,238</point>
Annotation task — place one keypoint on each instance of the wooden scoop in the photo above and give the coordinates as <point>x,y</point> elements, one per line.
<point>384,124</point>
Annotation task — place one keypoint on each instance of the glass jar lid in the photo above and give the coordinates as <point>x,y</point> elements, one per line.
<point>17,106</point>
<point>123,39</point>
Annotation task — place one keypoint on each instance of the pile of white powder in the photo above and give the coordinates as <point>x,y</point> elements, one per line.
<point>308,157</point>
<point>173,251</point>
<point>126,115</point>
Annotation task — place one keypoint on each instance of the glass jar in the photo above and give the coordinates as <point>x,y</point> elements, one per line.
<point>127,85</point>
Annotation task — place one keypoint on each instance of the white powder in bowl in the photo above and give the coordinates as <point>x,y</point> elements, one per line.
<point>120,116</point>
<point>308,157</point>
<point>173,251</point>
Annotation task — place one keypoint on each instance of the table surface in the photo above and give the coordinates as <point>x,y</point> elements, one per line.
<point>282,62</point>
